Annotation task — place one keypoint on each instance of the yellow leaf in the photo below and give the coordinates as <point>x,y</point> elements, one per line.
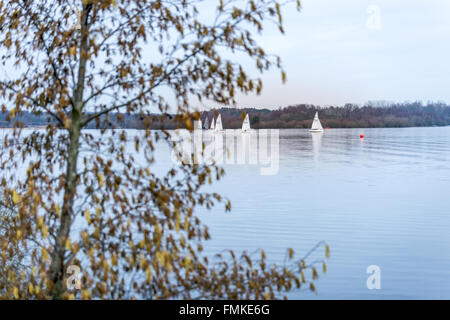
<point>8,42</point>
<point>188,124</point>
<point>15,197</point>
<point>73,51</point>
<point>87,215</point>
<point>315,275</point>
<point>44,231</point>
<point>85,236</point>
<point>12,113</point>
<point>142,260</point>
<point>40,222</point>
<point>16,293</point>
<point>85,294</point>
<point>186,224</point>
<point>148,275</point>
<point>291,253</point>
<point>68,244</point>
<point>182,241</point>
<point>71,297</point>
<point>114,260</point>
<point>162,258</point>
<point>283,77</point>
<point>96,233</point>
<point>100,179</point>
<point>177,221</point>
<point>30,288</point>
<point>187,262</point>
<point>327,251</point>
<point>105,265</point>
<point>44,255</point>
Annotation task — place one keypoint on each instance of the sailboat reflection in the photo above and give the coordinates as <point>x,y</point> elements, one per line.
<point>316,144</point>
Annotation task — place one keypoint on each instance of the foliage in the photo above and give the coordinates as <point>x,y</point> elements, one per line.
<point>349,116</point>
<point>371,115</point>
<point>16,262</point>
<point>84,199</point>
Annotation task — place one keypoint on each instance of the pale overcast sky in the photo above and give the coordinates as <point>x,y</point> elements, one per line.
<point>336,52</point>
<point>353,51</point>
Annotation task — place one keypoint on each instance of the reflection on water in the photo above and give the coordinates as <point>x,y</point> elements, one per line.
<point>316,142</point>
<point>378,201</point>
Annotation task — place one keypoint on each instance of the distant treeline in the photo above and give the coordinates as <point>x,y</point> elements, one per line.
<point>348,116</point>
<point>413,114</point>
<point>113,120</point>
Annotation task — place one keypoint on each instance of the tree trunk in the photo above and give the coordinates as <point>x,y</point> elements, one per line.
<point>58,257</point>
<point>58,267</point>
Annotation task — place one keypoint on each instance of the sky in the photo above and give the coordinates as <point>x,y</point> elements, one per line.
<point>354,51</point>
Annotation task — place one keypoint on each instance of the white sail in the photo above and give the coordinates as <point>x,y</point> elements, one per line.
<point>316,125</point>
<point>219,124</point>
<point>212,124</point>
<point>246,123</point>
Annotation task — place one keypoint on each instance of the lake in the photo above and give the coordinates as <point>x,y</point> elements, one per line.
<point>382,201</point>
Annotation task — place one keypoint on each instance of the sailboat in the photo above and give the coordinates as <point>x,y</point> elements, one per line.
<point>218,128</point>
<point>212,124</point>
<point>316,126</point>
<point>246,124</point>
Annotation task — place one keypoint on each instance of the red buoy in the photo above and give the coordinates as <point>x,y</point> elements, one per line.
<point>361,135</point>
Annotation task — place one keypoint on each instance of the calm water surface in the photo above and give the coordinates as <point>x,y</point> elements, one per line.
<point>379,201</point>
